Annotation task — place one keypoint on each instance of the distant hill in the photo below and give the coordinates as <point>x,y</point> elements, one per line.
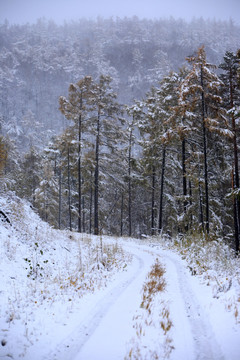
<point>39,61</point>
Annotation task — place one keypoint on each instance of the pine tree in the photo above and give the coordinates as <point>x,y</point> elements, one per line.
<point>88,186</point>
<point>200,102</point>
<point>3,155</point>
<point>177,135</point>
<point>156,151</point>
<point>47,194</point>
<point>76,108</point>
<point>150,128</point>
<point>231,94</point>
<point>105,126</point>
<point>29,177</point>
<point>9,164</point>
<point>135,115</point>
<point>67,169</point>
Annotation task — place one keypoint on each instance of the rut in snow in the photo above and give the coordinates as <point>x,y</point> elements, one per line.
<point>204,342</point>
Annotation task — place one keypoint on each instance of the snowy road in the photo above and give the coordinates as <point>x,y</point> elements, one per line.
<point>107,326</point>
<point>133,306</point>
<point>194,336</point>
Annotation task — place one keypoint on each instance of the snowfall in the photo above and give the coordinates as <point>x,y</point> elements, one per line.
<point>65,295</point>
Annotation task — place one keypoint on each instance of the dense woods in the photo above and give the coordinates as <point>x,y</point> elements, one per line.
<point>124,126</point>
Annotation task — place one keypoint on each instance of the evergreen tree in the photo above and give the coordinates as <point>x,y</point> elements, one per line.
<point>231,97</point>
<point>29,177</point>
<point>3,155</point>
<point>105,126</point>
<point>76,108</point>
<point>158,156</point>
<point>47,194</point>
<point>200,102</point>
<point>150,127</point>
<point>66,165</point>
<point>135,115</point>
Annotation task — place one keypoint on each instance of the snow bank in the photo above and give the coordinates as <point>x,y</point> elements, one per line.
<point>45,274</point>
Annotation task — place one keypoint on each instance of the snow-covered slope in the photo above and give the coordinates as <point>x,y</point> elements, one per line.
<point>45,274</point>
<point>68,296</point>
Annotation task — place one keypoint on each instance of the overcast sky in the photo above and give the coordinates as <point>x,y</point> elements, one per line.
<point>22,11</point>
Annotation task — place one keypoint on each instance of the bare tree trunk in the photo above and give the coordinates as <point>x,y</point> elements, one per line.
<point>235,213</point>
<point>205,154</point>
<point>79,174</point>
<point>200,201</point>
<point>153,222</point>
<point>184,178</point>
<point>190,201</point>
<point>83,211</point>
<point>96,178</point>
<point>60,200</point>
<point>236,177</point>
<point>121,225</point>
<point>90,207</point>
<point>130,185</point>
<point>69,193</point>
<point>237,201</point>
<point>236,206</point>
<point>161,190</point>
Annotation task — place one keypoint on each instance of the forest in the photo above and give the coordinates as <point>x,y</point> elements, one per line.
<point>124,126</point>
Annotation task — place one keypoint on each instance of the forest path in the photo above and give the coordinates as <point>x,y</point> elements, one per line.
<point>194,335</point>
<point>106,328</point>
<point>107,320</point>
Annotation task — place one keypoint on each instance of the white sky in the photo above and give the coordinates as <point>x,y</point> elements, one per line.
<point>22,11</point>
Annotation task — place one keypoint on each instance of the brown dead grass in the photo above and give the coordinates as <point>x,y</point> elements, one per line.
<point>153,285</point>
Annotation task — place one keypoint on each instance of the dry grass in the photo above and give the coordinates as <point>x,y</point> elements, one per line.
<point>155,283</point>
<point>154,315</point>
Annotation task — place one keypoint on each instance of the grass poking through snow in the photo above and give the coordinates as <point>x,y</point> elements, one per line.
<point>152,322</point>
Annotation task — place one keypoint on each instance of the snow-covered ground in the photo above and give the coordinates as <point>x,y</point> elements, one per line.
<point>71,296</point>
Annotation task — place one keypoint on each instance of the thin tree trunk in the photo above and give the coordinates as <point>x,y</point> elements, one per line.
<point>190,201</point>
<point>236,186</point>
<point>130,185</point>
<point>83,212</point>
<point>153,224</point>
<point>121,220</point>
<point>96,178</point>
<point>69,193</point>
<point>60,200</point>
<point>161,191</point>
<point>200,200</point>
<point>206,179</point>
<point>236,206</point>
<point>184,178</point>
<point>201,206</point>
<point>236,221</point>
<point>79,170</point>
<point>235,213</point>
<point>90,209</point>
<point>205,154</point>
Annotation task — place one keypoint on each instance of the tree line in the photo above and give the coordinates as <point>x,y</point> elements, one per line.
<point>38,62</point>
<point>167,163</point>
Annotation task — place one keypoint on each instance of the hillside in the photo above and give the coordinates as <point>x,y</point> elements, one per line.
<point>73,296</point>
<point>39,61</point>
<point>45,277</point>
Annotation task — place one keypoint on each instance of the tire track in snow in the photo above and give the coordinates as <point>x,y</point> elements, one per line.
<point>204,342</point>
<point>191,314</point>
<point>72,345</point>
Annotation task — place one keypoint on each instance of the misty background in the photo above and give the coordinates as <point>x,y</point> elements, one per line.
<point>46,45</point>
<point>22,11</point>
